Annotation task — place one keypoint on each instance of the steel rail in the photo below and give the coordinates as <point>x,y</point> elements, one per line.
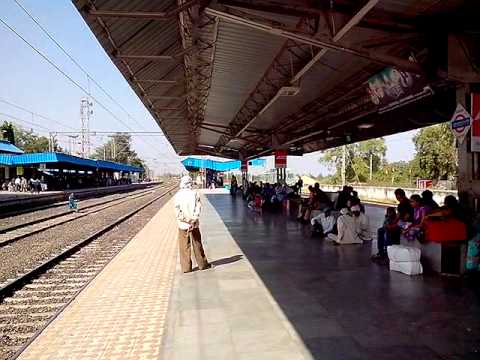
<point>53,216</point>
<point>37,272</point>
<point>87,191</point>
<point>17,283</point>
<point>36,231</point>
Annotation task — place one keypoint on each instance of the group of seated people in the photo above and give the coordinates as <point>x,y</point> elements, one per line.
<point>268,196</point>
<point>343,221</point>
<point>22,184</point>
<point>408,221</point>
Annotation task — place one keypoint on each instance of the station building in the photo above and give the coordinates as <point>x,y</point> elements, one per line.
<point>60,171</point>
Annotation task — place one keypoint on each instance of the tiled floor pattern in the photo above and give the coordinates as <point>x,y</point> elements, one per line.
<point>121,314</point>
<point>226,312</point>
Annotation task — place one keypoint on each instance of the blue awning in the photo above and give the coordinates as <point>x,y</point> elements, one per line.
<point>110,165</point>
<point>9,148</point>
<point>55,158</point>
<point>221,166</point>
<point>5,159</point>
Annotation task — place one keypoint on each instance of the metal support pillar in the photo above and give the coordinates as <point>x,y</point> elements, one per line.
<point>468,181</point>
<point>281,175</point>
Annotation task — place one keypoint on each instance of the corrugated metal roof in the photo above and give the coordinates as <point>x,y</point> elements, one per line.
<point>241,59</point>
<point>51,157</point>
<point>242,56</point>
<point>191,162</point>
<point>7,147</point>
<point>110,165</point>
<point>5,159</point>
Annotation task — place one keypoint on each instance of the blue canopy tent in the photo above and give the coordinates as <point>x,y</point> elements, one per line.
<point>193,164</point>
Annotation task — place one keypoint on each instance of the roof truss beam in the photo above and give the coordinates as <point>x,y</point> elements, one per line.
<point>374,56</point>
<point>382,21</point>
<point>142,15</point>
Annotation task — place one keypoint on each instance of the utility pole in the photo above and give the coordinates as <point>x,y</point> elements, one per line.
<point>114,150</point>
<point>85,114</point>
<point>371,165</point>
<point>344,160</point>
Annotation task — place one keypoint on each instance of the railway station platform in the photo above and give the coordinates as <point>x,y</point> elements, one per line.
<point>274,293</point>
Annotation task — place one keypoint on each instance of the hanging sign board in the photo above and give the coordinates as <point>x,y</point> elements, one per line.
<point>460,123</point>
<point>475,133</point>
<point>392,88</point>
<point>280,159</point>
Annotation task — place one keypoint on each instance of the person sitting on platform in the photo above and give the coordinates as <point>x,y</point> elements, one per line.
<point>343,197</point>
<point>325,223</point>
<point>256,204</point>
<point>11,185</point>
<point>414,230</point>
<point>305,204</point>
<point>451,208</point>
<point>388,234</point>
<point>362,224</point>
<point>346,230</point>
<point>428,202</point>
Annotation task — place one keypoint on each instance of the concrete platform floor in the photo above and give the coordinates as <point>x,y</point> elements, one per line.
<point>276,293</point>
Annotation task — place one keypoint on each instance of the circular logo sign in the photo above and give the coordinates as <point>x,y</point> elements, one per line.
<point>460,123</point>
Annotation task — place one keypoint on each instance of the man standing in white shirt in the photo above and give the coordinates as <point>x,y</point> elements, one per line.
<point>187,209</point>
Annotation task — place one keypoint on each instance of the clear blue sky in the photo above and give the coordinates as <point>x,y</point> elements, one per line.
<point>27,80</point>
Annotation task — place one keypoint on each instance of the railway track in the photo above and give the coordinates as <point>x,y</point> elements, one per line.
<point>16,220</point>
<point>32,300</point>
<point>87,195</point>
<point>19,231</point>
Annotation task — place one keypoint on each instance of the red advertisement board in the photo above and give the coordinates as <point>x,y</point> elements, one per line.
<point>475,131</point>
<point>281,158</point>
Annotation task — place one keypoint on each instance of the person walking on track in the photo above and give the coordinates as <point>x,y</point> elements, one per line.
<point>187,209</point>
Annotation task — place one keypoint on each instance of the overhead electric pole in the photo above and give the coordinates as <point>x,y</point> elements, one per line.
<point>85,114</point>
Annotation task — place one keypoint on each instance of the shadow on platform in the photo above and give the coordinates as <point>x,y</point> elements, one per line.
<point>341,304</point>
<point>227,260</point>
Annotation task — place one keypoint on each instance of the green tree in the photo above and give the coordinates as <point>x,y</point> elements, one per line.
<point>8,132</point>
<point>436,154</point>
<point>399,173</point>
<point>119,149</point>
<point>26,140</point>
<point>30,142</point>
<point>358,156</point>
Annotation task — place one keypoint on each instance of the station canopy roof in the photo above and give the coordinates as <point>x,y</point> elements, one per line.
<point>66,160</point>
<point>239,78</point>
<point>8,148</point>
<point>194,163</point>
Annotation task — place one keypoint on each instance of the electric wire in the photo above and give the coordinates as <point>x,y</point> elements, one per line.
<point>26,121</point>
<point>63,73</point>
<point>36,114</point>
<point>68,77</point>
<point>74,61</point>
